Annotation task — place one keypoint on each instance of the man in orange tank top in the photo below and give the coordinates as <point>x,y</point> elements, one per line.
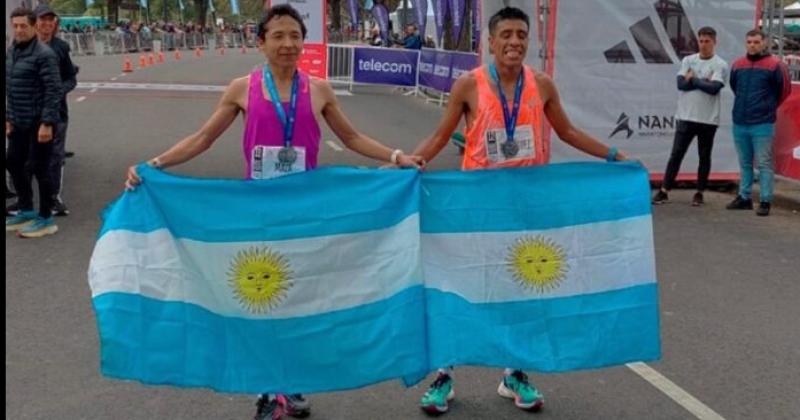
<point>503,105</point>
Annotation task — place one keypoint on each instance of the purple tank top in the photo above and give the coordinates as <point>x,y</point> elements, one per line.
<point>263,127</point>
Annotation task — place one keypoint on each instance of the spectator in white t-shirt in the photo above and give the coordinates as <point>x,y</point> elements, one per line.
<point>700,80</point>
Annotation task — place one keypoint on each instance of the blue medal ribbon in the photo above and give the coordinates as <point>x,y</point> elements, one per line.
<point>509,117</point>
<point>286,121</point>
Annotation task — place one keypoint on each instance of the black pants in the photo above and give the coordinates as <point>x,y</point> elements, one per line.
<point>26,156</point>
<point>685,132</point>
<point>56,167</point>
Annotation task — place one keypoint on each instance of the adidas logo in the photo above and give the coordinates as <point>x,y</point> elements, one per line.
<point>675,23</point>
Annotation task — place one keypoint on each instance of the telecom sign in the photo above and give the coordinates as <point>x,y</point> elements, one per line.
<point>385,66</point>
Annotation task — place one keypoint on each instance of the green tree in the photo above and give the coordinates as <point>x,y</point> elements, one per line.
<point>68,7</point>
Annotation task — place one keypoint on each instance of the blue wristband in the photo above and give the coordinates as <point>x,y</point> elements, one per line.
<point>612,154</point>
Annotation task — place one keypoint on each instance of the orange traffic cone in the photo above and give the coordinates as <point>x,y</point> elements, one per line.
<point>198,52</point>
<point>222,51</point>
<point>142,61</point>
<point>152,60</point>
<point>177,55</point>
<point>244,49</point>
<point>160,57</point>
<point>127,66</point>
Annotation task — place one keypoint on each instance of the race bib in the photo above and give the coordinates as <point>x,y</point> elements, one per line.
<point>265,162</point>
<point>495,138</point>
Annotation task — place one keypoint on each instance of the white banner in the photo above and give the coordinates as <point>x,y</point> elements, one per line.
<point>616,65</point>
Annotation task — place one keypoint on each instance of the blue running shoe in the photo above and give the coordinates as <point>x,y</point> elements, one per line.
<point>40,227</point>
<point>525,395</point>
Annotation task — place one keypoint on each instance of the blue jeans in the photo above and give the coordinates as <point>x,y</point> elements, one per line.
<point>755,141</point>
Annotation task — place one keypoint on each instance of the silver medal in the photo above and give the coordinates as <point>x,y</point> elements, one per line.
<point>287,155</point>
<point>510,149</point>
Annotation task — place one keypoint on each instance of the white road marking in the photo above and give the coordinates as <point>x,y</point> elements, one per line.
<point>151,86</point>
<point>334,146</point>
<point>342,92</point>
<point>114,78</point>
<point>81,99</point>
<point>122,74</point>
<point>167,87</point>
<point>93,90</point>
<point>686,400</point>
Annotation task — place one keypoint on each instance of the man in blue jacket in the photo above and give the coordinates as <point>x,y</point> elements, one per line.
<point>761,83</point>
<point>412,41</point>
<point>33,95</point>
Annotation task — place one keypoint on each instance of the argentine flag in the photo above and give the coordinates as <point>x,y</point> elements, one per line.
<point>547,268</point>
<point>339,278</point>
<point>298,284</point>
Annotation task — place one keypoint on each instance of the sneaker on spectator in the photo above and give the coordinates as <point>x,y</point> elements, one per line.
<point>40,227</point>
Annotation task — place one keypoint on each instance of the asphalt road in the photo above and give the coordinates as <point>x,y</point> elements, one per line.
<point>728,280</point>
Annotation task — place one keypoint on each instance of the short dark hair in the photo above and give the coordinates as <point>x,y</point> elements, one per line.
<point>756,32</point>
<point>24,11</point>
<point>276,12</point>
<point>707,31</point>
<point>508,13</point>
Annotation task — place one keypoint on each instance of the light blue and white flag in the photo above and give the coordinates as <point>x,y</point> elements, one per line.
<point>211,7</point>
<point>302,284</point>
<point>546,268</point>
<point>235,7</point>
<point>89,3</point>
<point>339,278</point>
<point>180,4</point>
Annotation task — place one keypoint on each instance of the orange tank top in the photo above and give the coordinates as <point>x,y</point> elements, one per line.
<point>487,132</point>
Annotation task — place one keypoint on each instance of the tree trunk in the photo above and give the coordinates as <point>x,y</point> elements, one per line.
<point>200,11</point>
<point>113,11</point>
<point>464,42</point>
<point>447,42</point>
<point>336,14</point>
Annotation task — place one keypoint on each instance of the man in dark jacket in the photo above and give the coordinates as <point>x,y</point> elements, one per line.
<point>411,41</point>
<point>33,93</point>
<point>761,83</point>
<point>45,31</point>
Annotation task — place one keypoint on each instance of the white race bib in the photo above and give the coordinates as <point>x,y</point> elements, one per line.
<point>495,138</point>
<point>265,164</point>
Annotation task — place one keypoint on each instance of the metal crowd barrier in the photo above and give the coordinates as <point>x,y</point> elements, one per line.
<point>171,41</point>
<point>195,40</point>
<point>80,44</point>
<point>114,43</point>
<point>111,43</point>
<point>234,40</point>
<point>340,63</point>
<point>793,62</point>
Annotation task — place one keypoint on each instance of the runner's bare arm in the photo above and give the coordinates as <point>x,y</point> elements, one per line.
<point>457,106</point>
<point>352,138</point>
<point>198,142</point>
<point>562,125</point>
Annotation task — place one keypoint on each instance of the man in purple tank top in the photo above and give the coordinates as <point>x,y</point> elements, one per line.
<point>282,109</point>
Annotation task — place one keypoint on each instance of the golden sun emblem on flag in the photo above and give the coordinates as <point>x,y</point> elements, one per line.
<point>260,279</point>
<point>537,263</point>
